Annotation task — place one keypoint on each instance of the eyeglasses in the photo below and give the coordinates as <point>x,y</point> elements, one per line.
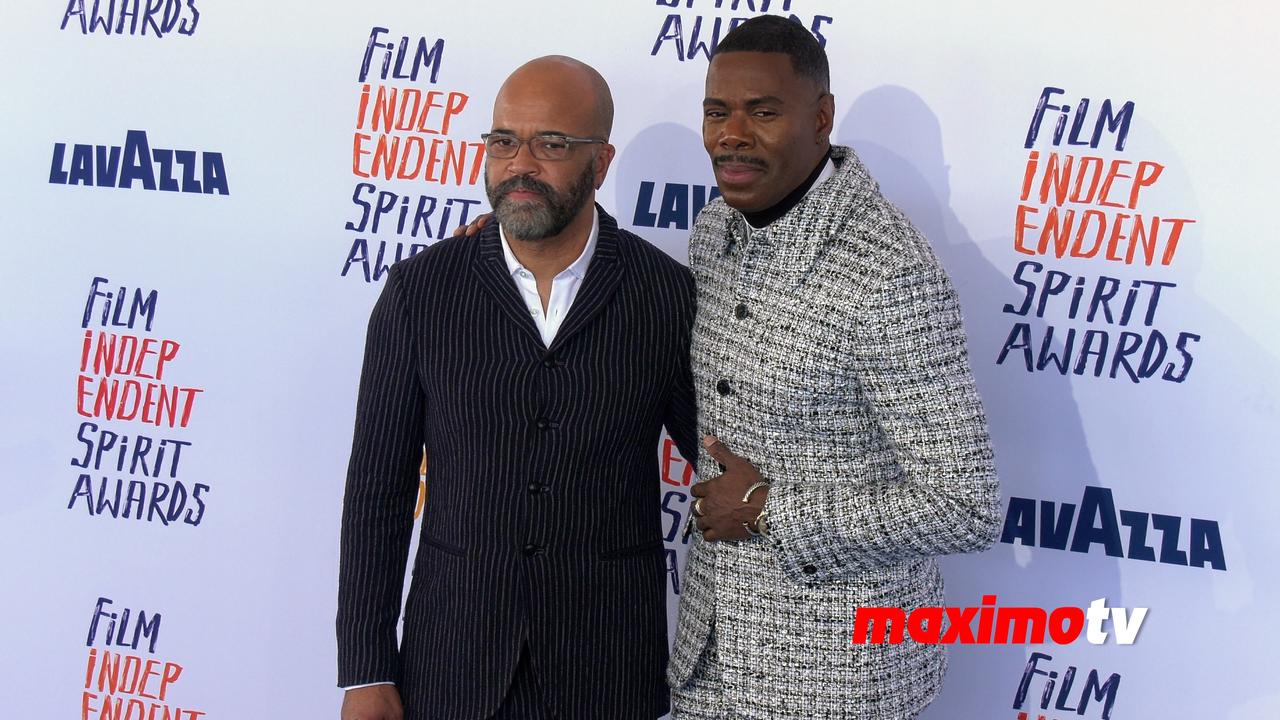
<point>502,146</point>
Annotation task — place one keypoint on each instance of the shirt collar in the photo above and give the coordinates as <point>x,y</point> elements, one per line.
<point>578,268</point>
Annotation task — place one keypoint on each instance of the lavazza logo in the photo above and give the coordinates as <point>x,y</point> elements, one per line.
<point>138,163</point>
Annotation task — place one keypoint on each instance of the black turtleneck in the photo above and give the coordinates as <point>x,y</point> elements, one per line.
<point>763,218</point>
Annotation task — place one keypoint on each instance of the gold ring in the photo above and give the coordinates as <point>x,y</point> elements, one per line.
<point>697,507</point>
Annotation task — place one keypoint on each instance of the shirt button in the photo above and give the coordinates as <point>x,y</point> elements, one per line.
<point>723,388</point>
<point>741,312</point>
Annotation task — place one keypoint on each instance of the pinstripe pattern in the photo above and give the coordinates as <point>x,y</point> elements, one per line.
<point>848,385</point>
<point>529,446</point>
<point>524,697</point>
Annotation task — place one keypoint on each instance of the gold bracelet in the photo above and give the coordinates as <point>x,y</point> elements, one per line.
<point>747,498</point>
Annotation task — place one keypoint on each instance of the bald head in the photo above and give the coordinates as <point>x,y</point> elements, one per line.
<point>571,91</point>
<point>539,195</point>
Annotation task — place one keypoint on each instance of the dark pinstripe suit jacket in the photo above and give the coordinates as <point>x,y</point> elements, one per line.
<point>542,520</point>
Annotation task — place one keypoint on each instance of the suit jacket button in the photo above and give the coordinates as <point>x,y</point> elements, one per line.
<point>549,361</point>
<point>534,488</point>
<point>723,388</point>
<point>531,550</point>
<point>741,312</point>
<point>809,569</point>
<point>543,423</point>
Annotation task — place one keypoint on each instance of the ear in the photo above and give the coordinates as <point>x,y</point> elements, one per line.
<point>825,119</point>
<point>604,158</point>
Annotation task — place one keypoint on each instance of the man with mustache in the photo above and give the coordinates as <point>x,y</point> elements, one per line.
<point>846,446</point>
<point>537,363</point>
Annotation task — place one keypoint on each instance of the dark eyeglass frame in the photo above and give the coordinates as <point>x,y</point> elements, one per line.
<point>536,144</point>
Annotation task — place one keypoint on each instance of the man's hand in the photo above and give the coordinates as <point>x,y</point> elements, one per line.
<point>376,702</point>
<point>474,227</point>
<point>718,505</point>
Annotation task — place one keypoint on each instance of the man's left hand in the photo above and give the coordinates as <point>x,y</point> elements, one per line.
<point>474,227</point>
<point>718,506</point>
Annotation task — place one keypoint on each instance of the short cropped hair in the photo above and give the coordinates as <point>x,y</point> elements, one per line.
<point>774,34</point>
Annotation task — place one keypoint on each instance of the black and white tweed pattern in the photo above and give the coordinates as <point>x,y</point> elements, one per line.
<point>702,698</point>
<point>828,350</point>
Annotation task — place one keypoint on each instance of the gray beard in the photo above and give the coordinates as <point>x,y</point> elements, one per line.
<point>534,220</point>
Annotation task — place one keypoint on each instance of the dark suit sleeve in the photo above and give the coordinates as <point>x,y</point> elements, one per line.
<point>382,487</point>
<point>682,413</point>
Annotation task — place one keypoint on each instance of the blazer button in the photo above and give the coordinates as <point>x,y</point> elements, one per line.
<point>549,361</point>
<point>543,423</point>
<point>809,569</point>
<point>534,488</point>
<point>741,312</point>
<point>530,550</point>
<point>723,388</point>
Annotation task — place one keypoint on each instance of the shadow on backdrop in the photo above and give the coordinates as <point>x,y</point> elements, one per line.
<point>1041,448</point>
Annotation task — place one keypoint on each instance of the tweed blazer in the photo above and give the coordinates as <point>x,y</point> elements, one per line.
<point>541,523</point>
<point>828,350</point>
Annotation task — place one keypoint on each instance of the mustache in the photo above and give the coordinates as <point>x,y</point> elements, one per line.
<point>743,159</point>
<point>524,182</point>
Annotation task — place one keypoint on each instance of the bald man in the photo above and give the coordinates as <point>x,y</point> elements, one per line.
<point>537,363</point>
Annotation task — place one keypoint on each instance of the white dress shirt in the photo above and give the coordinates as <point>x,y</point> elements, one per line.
<point>564,287</point>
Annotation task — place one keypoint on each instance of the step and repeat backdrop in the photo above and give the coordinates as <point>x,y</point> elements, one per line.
<point>201,200</point>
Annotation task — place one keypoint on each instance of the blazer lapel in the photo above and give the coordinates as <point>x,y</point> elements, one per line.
<point>603,278</point>
<point>489,267</point>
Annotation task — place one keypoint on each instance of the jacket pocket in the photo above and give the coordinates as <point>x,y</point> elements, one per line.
<point>632,550</point>
<point>442,546</point>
